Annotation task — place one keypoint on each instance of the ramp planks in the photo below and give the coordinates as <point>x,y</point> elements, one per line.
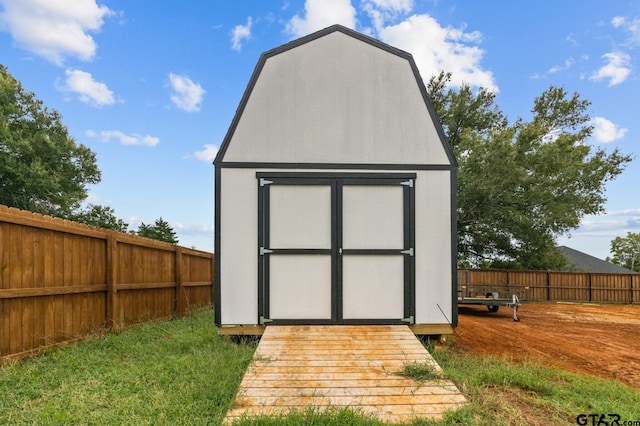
<point>295,367</point>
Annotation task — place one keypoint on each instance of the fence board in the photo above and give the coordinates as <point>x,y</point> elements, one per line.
<point>15,331</point>
<point>4,282</point>
<point>39,308</point>
<point>28,305</point>
<point>4,256</point>
<point>15,281</point>
<point>60,281</point>
<point>5,323</point>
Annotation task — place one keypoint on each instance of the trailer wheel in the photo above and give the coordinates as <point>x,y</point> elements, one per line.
<point>492,308</point>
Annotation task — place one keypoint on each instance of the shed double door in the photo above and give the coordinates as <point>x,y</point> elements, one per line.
<point>336,250</point>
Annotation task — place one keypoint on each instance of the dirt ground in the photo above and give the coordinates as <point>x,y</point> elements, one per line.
<point>600,340</point>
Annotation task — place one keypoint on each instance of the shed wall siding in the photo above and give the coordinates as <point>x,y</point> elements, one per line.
<point>433,247</point>
<point>239,274</point>
<point>336,100</point>
<point>238,247</point>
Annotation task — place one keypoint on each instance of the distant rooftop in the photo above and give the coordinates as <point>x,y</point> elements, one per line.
<point>583,262</point>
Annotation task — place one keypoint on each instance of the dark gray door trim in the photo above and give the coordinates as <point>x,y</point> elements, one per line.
<point>266,179</point>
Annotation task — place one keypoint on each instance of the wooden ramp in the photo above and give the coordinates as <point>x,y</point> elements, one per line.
<point>295,367</point>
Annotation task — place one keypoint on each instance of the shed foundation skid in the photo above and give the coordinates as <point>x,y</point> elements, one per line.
<point>258,330</point>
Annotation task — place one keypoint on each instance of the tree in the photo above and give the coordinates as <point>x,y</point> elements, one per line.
<point>42,169</point>
<point>521,185</point>
<point>100,216</point>
<point>160,230</point>
<point>626,251</point>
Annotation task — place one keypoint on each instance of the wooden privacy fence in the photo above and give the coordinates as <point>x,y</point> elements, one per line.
<point>61,281</point>
<point>559,286</point>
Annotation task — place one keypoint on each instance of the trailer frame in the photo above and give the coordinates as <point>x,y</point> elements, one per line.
<point>493,296</point>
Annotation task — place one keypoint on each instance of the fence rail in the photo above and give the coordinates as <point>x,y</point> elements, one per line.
<point>560,286</point>
<point>61,281</point>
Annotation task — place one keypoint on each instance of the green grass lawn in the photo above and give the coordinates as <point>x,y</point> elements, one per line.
<point>182,372</point>
<point>174,372</point>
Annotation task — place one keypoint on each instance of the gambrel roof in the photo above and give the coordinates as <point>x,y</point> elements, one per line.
<point>336,97</point>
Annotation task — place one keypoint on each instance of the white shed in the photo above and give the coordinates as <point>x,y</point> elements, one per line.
<point>335,193</point>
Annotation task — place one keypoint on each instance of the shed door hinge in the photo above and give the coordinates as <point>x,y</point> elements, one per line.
<point>408,320</point>
<point>264,182</point>
<point>264,251</point>
<point>408,183</point>
<point>264,320</point>
<point>409,252</point>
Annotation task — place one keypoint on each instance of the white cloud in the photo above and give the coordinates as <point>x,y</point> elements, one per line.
<point>605,131</point>
<point>320,14</point>
<point>567,64</point>
<point>186,94</point>
<point>404,6</point>
<point>192,229</point>
<point>616,70</point>
<point>381,11</point>
<point>624,212</point>
<point>599,225</point>
<point>555,69</point>
<point>610,224</point>
<point>54,29</point>
<point>207,154</point>
<point>634,29</point>
<point>571,40</point>
<point>617,21</point>
<point>631,26</point>
<point>123,138</point>
<point>92,198</point>
<point>88,90</point>
<point>198,237</point>
<point>596,232</point>
<point>436,48</point>
<point>240,33</point>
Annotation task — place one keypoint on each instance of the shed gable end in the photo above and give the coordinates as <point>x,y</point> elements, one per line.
<point>337,99</point>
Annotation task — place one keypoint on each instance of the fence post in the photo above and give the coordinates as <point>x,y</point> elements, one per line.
<point>111,268</point>
<point>590,288</point>
<point>630,288</point>
<point>180,299</point>
<point>548,286</point>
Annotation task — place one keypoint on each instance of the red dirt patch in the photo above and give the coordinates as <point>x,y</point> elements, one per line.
<point>599,340</point>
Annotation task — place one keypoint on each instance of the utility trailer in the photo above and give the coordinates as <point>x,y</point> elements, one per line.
<point>493,297</point>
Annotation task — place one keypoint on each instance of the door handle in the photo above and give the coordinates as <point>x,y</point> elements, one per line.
<point>340,251</point>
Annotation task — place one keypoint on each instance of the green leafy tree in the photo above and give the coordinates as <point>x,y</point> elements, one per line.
<point>100,216</point>
<point>521,185</point>
<point>42,168</point>
<point>626,251</point>
<point>160,230</point>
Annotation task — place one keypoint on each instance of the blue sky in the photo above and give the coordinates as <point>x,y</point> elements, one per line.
<point>152,86</point>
